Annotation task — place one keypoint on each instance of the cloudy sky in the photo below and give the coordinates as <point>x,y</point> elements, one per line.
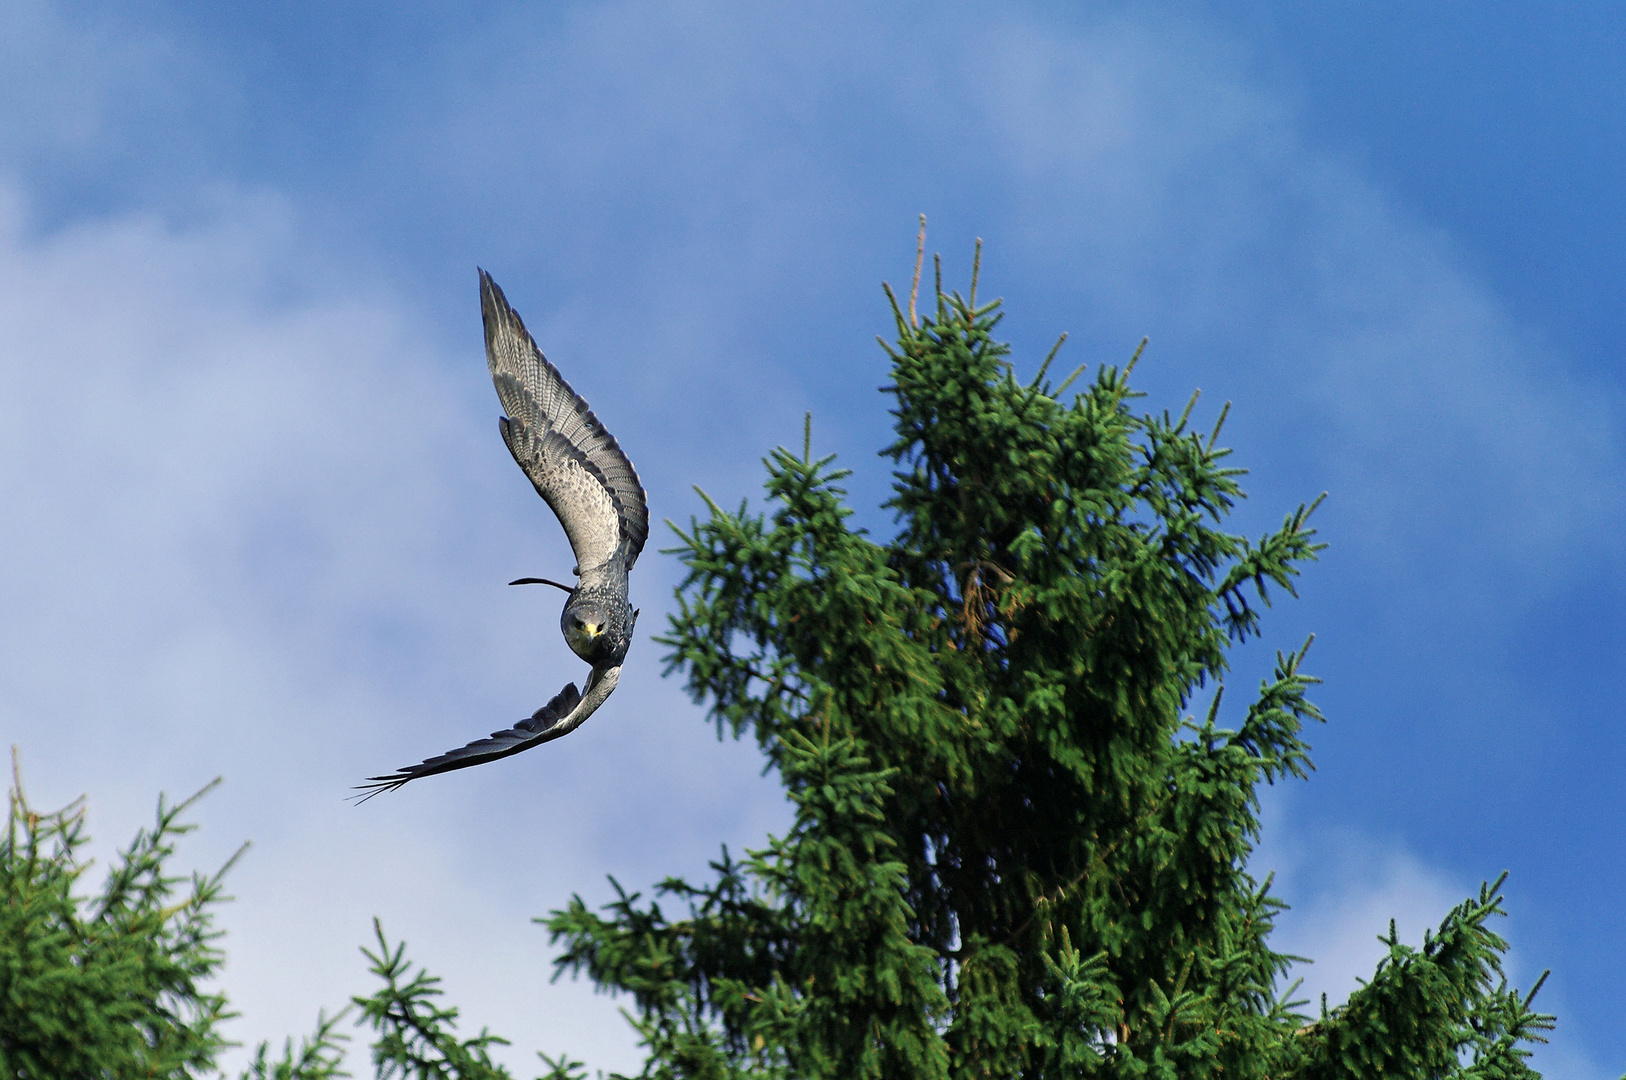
<point>258,518</point>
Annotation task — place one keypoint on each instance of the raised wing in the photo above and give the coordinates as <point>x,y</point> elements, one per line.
<point>576,466</point>
<point>558,718</point>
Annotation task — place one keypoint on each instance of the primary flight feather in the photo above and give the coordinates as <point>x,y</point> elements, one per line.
<point>582,474</point>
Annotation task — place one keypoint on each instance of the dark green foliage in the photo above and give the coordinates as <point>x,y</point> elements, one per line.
<point>1014,853</point>
<point>1431,1005</point>
<point>317,1058</point>
<point>110,984</point>
<point>415,1034</point>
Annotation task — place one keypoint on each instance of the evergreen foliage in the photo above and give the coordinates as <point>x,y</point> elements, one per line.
<point>1014,853</point>
<point>111,984</point>
<point>416,1038</point>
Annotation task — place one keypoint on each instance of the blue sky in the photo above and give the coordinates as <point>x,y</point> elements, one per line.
<point>259,517</point>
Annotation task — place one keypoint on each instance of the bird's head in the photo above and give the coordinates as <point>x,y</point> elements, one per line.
<point>587,626</point>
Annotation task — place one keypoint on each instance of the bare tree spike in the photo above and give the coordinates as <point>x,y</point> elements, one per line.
<point>976,268</point>
<point>920,257</point>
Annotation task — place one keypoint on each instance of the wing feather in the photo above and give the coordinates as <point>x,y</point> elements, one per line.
<point>558,718</point>
<point>568,482</point>
<point>560,444</point>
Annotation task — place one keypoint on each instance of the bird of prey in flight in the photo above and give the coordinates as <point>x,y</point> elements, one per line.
<point>580,471</point>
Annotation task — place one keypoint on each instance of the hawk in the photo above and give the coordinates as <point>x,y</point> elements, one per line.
<point>582,474</point>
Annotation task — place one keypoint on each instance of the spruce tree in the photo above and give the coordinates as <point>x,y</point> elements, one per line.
<point>1015,851</point>
<point>115,984</point>
<point>111,984</point>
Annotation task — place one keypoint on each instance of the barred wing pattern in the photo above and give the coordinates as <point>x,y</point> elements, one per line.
<point>580,472</point>
<point>575,465</point>
<point>558,718</point>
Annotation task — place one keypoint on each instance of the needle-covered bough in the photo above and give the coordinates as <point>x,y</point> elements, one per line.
<point>579,470</point>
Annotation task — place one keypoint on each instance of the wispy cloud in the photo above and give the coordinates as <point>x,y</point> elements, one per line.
<point>259,517</point>
<point>268,538</point>
<point>1345,887</point>
<point>1179,196</point>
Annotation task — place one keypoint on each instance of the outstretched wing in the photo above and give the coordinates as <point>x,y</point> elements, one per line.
<point>558,718</point>
<point>575,465</point>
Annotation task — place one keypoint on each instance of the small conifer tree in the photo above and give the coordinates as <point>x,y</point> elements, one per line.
<point>116,984</point>
<point>109,985</point>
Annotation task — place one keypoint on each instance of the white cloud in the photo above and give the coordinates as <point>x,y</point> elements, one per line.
<point>1185,200</point>
<point>67,79</point>
<point>257,522</point>
<point>267,538</point>
<point>1344,886</point>
<point>1130,166</point>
